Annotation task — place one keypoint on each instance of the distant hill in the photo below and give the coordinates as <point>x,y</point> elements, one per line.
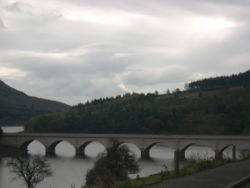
<point>194,111</point>
<point>16,107</point>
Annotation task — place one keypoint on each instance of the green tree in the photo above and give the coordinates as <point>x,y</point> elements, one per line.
<point>114,165</point>
<point>32,170</point>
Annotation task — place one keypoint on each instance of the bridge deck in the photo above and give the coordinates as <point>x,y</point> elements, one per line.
<point>140,136</point>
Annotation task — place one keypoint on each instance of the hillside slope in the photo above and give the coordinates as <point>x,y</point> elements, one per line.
<point>222,111</point>
<point>16,107</point>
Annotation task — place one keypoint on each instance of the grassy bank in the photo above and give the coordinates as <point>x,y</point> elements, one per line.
<point>192,167</point>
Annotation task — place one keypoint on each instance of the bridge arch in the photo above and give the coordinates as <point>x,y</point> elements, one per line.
<point>220,154</point>
<point>183,150</point>
<point>133,148</point>
<point>51,148</point>
<point>40,147</point>
<point>81,150</point>
<point>145,152</point>
<point>208,152</point>
<point>149,150</point>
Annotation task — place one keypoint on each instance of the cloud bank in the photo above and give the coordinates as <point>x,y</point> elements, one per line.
<point>78,50</point>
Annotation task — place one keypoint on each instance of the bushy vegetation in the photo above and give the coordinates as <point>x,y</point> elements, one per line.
<point>196,165</point>
<point>223,111</point>
<point>112,166</point>
<point>16,107</point>
<point>192,167</point>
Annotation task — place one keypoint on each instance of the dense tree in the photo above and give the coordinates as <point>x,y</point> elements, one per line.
<point>1,131</point>
<point>114,165</point>
<point>32,170</point>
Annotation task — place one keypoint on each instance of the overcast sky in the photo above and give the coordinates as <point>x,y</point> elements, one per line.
<point>75,50</point>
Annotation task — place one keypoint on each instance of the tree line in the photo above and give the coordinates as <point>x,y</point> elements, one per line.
<point>241,79</point>
<point>223,111</point>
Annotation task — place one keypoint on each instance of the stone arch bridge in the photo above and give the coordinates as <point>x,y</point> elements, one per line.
<point>144,142</point>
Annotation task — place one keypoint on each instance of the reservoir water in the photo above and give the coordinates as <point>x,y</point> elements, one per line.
<point>69,170</point>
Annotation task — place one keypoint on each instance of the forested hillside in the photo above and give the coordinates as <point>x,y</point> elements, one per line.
<point>16,107</point>
<point>221,111</point>
<point>220,82</point>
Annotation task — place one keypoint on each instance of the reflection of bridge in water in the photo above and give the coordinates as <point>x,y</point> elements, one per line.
<point>179,143</point>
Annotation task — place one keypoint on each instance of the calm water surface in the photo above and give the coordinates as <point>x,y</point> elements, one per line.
<point>69,170</point>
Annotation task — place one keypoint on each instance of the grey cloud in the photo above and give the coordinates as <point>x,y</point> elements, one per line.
<point>150,52</point>
<point>218,58</point>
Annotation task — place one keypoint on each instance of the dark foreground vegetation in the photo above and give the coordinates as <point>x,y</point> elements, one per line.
<point>112,168</point>
<point>16,107</point>
<point>211,106</point>
<point>114,165</point>
<point>193,166</point>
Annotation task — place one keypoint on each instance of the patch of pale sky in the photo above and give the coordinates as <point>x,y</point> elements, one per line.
<point>11,72</point>
<point>120,55</point>
<point>55,54</point>
<point>212,27</point>
<point>124,88</point>
<point>96,16</point>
